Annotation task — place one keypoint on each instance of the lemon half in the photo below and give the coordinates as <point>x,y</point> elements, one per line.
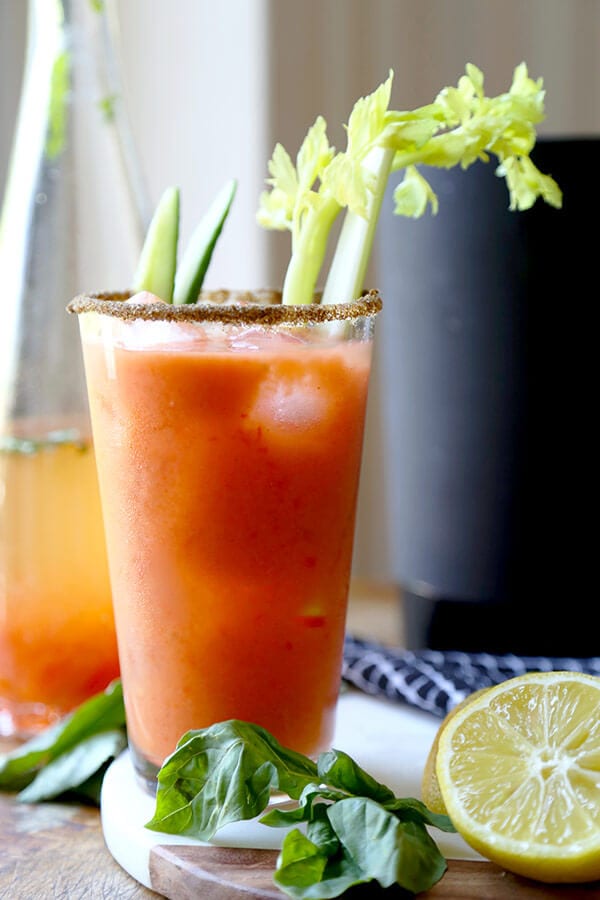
<point>518,768</point>
<point>430,787</point>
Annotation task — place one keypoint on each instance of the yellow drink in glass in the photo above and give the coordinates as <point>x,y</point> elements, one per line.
<point>57,637</point>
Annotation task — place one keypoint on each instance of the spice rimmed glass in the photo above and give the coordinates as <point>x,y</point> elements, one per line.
<point>228,440</point>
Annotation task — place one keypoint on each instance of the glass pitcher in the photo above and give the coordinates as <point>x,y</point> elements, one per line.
<point>73,182</point>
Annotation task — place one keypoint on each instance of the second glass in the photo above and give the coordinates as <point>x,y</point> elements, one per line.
<point>72,176</point>
<point>228,441</point>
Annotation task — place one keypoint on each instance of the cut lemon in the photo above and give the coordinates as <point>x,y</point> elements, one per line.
<point>519,773</point>
<point>430,787</point>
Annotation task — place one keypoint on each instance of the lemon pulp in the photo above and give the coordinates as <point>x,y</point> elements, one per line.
<point>430,788</point>
<point>518,769</point>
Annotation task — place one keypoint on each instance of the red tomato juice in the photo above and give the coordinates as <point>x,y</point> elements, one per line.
<point>229,480</point>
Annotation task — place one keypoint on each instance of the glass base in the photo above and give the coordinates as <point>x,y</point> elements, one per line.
<point>25,720</point>
<point>145,771</point>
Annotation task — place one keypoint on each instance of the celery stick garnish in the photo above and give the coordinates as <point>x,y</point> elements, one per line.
<point>461,126</point>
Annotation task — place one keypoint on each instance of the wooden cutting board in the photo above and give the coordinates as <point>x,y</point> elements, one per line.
<point>222,873</point>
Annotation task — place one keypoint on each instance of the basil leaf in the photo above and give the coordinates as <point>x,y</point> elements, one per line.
<point>225,774</point>
<point>384,849</point>
<point>320,831</point>
<point>90,790</point>
<point>102,713</point>
<point>410,810</point>
<point>306,811</point>
<point>363,843</point>
<point>356,830</point>
<point>301,865</point>
<point>304,871</point>
<point>74,766</point>
<point>338,769</point>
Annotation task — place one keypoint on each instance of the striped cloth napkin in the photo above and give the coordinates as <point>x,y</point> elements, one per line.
<point>437,680</point>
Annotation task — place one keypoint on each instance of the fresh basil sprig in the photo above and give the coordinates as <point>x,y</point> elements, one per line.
<point>71,756</point>
<point>355,829</point>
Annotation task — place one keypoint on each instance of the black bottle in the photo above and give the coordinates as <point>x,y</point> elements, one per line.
<point>487,346</point>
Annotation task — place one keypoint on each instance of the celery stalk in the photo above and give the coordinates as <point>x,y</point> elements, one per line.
<point>307,255</point>
<point>349,264</point>
<point>461,126</point>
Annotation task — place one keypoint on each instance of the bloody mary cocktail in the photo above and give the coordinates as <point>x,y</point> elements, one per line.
<point>228,442</point>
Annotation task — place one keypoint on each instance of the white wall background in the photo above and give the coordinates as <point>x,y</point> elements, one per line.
<point>212,85</point>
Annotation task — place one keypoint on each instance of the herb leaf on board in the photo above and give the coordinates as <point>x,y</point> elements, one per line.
<point>352,830</point>
<point>68,755</point>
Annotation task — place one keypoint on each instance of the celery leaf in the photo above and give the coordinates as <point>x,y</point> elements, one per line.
<point>460,127</point>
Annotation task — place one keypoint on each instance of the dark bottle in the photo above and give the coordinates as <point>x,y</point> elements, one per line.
<point>491,454</point>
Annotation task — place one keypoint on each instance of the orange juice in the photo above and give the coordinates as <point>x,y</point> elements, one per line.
<point>57,636</point>
<point>229,471</point>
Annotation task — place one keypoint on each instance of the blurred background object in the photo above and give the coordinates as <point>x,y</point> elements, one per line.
<point>486,357</point>
<point>73,215</point>
<point>211,87</point>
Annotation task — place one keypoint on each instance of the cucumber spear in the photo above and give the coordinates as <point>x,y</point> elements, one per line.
<point>157,270</point>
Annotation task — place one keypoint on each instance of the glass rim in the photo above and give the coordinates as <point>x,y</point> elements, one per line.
<point>258,307</point>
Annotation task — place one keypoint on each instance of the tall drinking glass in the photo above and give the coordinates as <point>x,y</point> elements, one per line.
<point>228,440</point>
